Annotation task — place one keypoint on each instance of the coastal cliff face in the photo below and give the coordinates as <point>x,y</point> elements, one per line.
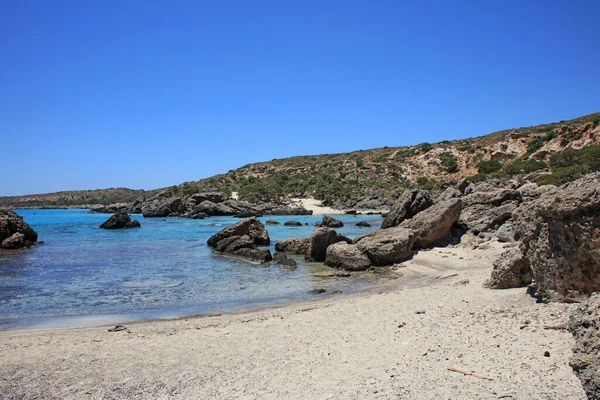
<point>15,233</point>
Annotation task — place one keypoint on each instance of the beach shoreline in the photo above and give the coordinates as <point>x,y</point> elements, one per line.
<point>394,340</point>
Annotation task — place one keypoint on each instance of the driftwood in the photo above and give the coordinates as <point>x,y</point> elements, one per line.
<point>462,371</point>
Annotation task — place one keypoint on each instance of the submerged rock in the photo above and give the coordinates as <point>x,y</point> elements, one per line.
<point>284,262</point>
<point>15,233</point>
<point>363,224</point>
<point>271,222</point>
<point>329,222</point>
<point>120,220</point>
<point>292,223</point>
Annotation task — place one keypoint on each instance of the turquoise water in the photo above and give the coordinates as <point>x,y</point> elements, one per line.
<point>84,275</point>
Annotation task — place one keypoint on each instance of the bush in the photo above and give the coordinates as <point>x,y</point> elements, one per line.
<point>522,166</point>
<point>572,164</point>
<point>449,162</point>
<point>425,147</point>
<point>487,167</point>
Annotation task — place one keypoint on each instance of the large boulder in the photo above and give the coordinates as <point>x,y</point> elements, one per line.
<point>320,240</point>
<point>241,239</point>
<point>250,227</point>
<point>434,223</point>
<point>560,236</point>
<point>346,256</point>
<point>329,222</point>
<point>584,324</point>
<point>511,270</point>
<point>387,246</point>
<point>120,220</point>
<point>409,204</point>
<point>492,197</point>
<point>294,246</point>
<point>486,217</point>
<point>15,233</point>
<point>284,262</point>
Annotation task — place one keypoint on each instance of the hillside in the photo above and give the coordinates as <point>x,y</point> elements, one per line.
<point>74,198</point>
<point>352,179</point>
<point>343,178</point>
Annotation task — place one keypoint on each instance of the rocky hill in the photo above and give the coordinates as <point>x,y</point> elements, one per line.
<point>348,180</point>
<point>74,198</point>
<point>555,152</point>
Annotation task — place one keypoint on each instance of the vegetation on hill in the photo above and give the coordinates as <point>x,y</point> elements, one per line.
<point>559,152</point>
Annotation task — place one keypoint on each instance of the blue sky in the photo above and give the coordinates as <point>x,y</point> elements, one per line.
<point>147,94</point>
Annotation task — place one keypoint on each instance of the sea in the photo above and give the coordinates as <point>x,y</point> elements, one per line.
<point>86,276</point>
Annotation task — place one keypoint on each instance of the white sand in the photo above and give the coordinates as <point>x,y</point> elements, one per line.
<point>316,207</point>
<point>370,345</point>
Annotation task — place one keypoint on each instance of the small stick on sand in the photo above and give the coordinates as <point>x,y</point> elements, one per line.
<point>462,371</point>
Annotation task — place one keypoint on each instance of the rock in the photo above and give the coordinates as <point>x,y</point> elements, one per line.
<point>531,191</point>
<point>350,212</point>
<point>332,274</point>
<point>214,197</point>
<point>337,291</point>
<point>247,214</point>
<point>584,324</point>
<point>463,183</point>
<point>120,220</point>
<point>292,223</point>
<point>251,227</point>
<point>363,224</point>
<point>320,240</point>
<point>485,217</point>
<point>241,239</point>
<point>387,246</point>
<point>317,291</point>
<point>294,246</point>
<point>15,233</point>
<point>492,197</point>
<point>346,256</point>
<point>110,208</point>
<point>506,232</point>
<point>434,224</point>
<point>283,261</point>
<point>560,238</point>
<point>271,222</point>
<point>449,193</point>
<point>511,270</point>
<point>329,222</point>
<point>407,206</point>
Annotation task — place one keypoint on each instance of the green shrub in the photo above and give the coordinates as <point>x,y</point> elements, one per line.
<point>487,167</point>
<point>425,147</point>
<point>523,166</point>
<point>449,162</point>
<point>425,183</point>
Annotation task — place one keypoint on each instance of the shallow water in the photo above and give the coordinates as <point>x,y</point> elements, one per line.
<point>84,275</point>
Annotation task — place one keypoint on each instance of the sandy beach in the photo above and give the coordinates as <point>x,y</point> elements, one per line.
<point>316,207</point>
<point>396,340</point>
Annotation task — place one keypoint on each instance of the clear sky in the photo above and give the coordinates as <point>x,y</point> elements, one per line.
<point>146,94</point>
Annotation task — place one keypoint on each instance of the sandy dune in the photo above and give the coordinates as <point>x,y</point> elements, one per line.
<point>395,341</point>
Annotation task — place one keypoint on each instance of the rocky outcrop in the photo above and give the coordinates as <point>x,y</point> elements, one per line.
<point>510,270</point>
<point>320,240</point>
<point>363,224</point>
<point>448,193</point>
<point>407,206</point>
<point>387,246</point>
<point>560,236</point>
<point>213,204</point>
<point>584,324</point>
<point>293,246</point>
<point>329,222</point>
<point>346,256</point>
<point>15,233</point>
<point>433,224</point>
<point>486,217</point>
<point>120,220</point>
<point>241,240</point>
<point>491,197</point>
